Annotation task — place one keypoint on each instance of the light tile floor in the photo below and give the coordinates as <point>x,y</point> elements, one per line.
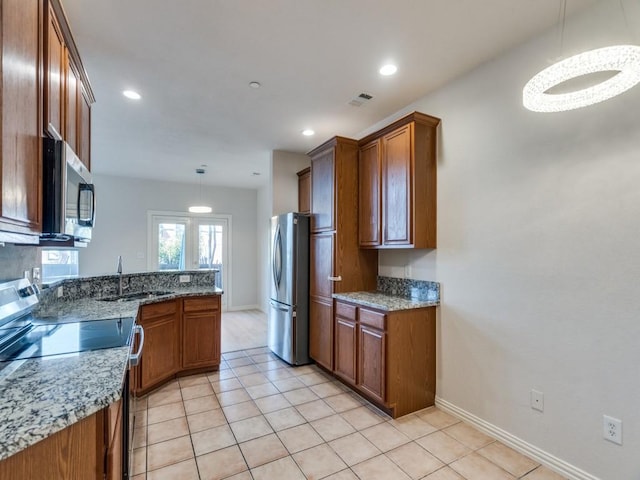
<point>258,418</point>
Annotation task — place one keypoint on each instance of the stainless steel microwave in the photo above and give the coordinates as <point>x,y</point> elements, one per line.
<point>69,198</point>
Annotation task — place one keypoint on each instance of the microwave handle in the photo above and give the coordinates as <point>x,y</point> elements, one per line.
<point>87,187</point>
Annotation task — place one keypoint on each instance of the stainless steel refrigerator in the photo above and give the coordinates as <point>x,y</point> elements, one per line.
<point>288,324</point>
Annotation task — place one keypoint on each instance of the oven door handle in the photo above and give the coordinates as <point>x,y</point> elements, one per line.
<point>134,359</point>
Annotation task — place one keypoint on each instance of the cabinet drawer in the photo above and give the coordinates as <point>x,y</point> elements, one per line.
<point>158,309</point>
<point>199,304</point>
<point>373,319</point>
<point>346,311</point>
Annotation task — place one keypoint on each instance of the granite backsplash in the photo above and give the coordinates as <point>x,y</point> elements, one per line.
<point>107,285</point>
<point>409,288</point>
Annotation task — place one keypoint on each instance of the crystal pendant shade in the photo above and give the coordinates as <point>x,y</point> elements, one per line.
<point>623,59</point>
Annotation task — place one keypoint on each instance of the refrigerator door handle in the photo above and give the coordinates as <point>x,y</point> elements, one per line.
<point>278,307</point>
<point>276,261</point>
<point>335,279</point>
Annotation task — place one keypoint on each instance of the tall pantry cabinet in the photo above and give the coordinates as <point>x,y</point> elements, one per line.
<point>337,263</point>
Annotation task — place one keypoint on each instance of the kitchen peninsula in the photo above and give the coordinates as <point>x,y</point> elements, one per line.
<point>71,397</point>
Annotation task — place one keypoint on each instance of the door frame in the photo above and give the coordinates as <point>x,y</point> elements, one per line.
<point>190,217</point>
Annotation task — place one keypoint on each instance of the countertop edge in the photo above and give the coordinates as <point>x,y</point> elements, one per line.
<point>386,302</point>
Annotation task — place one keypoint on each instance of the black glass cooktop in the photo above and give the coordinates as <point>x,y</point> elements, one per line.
<point>41,340</point>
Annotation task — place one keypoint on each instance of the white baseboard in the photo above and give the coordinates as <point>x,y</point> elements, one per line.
<point>554,463</point>
<point>242,307</point>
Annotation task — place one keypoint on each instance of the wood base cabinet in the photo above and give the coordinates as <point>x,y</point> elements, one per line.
<point>389,357</point>
<point>201,332</point>
<point>161,353</point>
<point>182,337</point>
<point>90,449</point>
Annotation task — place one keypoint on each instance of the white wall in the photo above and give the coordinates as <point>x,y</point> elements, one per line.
<point>286,166</point>
<point>538,257</point>
<point>121,228</point>
<point>279,196</point>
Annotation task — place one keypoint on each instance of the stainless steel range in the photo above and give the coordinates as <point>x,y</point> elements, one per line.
<point>23,336</point>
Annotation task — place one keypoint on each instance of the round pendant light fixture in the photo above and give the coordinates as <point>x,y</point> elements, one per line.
<point>200,208</point>
<point>623,59</point>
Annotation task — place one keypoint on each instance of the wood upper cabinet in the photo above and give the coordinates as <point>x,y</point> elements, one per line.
<point>397,204</point>
<point>323,190</point>
<point>54,65</point>
<point>398,198</point>
<point>369,231</point>
<point>84,127</point>
<point>304,190</point>
<point>201,332</point>
<point>71,103</point>
<point>387,356</point>
<point>161,353</point>
<point>20,97</point>
<point>67,92</point>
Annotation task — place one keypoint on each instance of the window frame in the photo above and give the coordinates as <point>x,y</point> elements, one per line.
<point>192,222</point>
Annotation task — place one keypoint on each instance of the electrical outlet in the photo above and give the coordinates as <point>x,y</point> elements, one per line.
<point>408,271</point>
<point>27,274</point>
<point>60,291</point>
<point>35,273</point>
<point>612,429</point>
<point>185,278</point>
<point>537,400</point>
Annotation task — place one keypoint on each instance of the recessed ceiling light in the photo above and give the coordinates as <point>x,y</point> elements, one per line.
<point>388,70</point>
<point>254,84</point>
<point>307,132</point>
<point>131,94</point>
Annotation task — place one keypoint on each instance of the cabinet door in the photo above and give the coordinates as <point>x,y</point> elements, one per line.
<point>321,259</point>
<point>369,195</point>
<point>114,440</point>
<point>53,71</point>
<point>345,344</point>
<point>200,339</point>
<point>304,191</point>
<point>397,205</point>
<point>71,103</point>
<point>322,191</point>
<point>371,362</point>
<point>84,127</point>
<point>21,124</point>
<point>160,356</point>
<point>321,332</point>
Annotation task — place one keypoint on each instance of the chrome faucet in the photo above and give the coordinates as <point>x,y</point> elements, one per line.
<point>119,271</point>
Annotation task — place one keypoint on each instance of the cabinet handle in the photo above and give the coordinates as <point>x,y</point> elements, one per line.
<point>335,279</point>
<point>134,359</point>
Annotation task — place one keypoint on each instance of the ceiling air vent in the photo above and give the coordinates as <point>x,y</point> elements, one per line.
<point>360,99</point>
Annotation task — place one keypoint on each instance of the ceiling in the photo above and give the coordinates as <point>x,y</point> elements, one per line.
<point>192,62</point>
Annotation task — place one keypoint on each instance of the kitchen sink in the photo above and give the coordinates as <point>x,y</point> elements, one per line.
<point>129,297</point>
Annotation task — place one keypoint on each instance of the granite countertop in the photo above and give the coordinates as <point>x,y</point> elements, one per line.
<point>42,396</point>
<point>92,308</point>
<point>385,301</point>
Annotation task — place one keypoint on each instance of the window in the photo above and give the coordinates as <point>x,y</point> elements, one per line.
<point>180,241</point>
<point>58,264</point>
